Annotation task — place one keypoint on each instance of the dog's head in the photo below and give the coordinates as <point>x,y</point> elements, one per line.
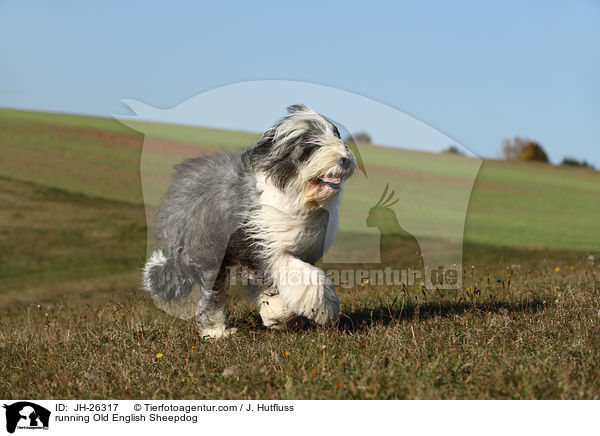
<point>304,152</point>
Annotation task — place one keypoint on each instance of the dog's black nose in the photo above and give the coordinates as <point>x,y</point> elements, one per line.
<point>345,163</point>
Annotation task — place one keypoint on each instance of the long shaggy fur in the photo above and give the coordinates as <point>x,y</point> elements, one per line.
<point>271,208</point>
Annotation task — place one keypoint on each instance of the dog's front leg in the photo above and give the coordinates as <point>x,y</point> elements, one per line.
<point>275,315</point>
<point>305,289</point>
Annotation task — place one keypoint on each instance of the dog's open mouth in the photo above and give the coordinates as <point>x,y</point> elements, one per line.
<point>332,182</point>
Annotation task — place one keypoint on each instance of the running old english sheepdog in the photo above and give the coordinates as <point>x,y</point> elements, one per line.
<point>271,209</point>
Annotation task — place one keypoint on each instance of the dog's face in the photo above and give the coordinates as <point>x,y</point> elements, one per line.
<point>304,152</point>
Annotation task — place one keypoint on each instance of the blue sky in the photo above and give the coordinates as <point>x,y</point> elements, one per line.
<point>476,71</point>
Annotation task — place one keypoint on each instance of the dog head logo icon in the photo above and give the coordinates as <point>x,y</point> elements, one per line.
<point>26,415</point>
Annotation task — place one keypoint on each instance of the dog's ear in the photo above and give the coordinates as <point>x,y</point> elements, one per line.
<point>274,162</point>
<point>265,142</point>
<point>262,148</point>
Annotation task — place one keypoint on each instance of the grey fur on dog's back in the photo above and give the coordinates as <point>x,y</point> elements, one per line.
<point>197,216</point>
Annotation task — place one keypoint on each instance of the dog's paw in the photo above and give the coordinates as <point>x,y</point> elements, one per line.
<point>216,333</point>
<point>306,290</point>
<point>315,299</point>
<point>275,315</point>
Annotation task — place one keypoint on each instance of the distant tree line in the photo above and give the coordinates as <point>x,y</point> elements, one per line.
<point>517,149</point>
<point>359,137</point>
<point>453,149</point>
<point>569,161</point>
<point>521,149</point>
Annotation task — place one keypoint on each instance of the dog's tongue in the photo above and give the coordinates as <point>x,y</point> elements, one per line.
<point>331,180</point>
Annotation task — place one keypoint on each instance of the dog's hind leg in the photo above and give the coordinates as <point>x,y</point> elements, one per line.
<point>210,312</point>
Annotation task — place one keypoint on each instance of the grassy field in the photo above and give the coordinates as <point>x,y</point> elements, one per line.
<point>513,205</point>
<point>74,324</point>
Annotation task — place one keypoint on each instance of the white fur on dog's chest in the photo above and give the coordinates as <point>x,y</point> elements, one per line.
<point>286,226</point>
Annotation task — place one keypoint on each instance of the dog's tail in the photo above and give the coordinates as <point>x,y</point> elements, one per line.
<point>166,278</point>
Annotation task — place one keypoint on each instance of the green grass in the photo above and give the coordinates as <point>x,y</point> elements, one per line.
<point>74,323</point>
<point>518,205</point>
<point>49,236</point>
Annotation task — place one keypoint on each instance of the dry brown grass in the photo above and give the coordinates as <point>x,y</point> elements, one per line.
<point>538,339</point>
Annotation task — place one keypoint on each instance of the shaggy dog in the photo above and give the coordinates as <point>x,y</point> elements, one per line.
<point>271,209</point>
